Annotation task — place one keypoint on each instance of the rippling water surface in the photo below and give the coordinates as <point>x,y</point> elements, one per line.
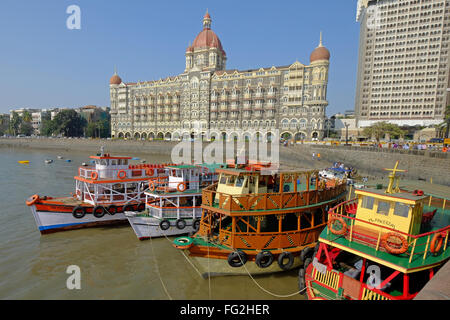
<point>114,263</point>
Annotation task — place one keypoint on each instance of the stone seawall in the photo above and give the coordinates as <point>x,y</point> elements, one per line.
<point>420,165</point>
<point>369,161</point>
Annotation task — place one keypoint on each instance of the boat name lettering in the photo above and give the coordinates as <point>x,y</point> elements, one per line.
<point>379,221</point>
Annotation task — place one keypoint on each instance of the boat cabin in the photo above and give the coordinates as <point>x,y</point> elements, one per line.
<point>390,208</point>
<point>399,211</point>
<point>187,174</point>
<point>108,166</point>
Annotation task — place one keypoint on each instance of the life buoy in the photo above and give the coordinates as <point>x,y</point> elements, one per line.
<point>237,259</point>
<point>394,249</point>
<point>183,242</point>
<point>264,259</point>
<point>282,257</point>
<point>164,225</point>
<point>32,200</point>
<point>444,149</point>
<point>151,186</point>
<point>335,231</point>
<point>418,193</point>
<point>94,175</point>
<point>150,172</point>
<point>79,212</point>
<point>98,211</point>
<point>436,243</point>
<point>181,187</point>
<point>122,174</point>
<point>181,224</point>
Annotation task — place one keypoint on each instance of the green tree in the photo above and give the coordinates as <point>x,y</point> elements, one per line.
<point>380,129</point>
<point>26,128</point>
<point>69,123</point>
<point>14,124</point>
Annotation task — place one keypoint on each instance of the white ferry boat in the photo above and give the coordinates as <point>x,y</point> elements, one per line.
<point>103,193</point>
<point>173,203</point>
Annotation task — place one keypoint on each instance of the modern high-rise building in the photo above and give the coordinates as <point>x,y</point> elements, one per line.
<point>404,66</point>
<point>210,98</point>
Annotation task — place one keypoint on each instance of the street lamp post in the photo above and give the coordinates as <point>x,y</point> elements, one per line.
<point>346,133</point>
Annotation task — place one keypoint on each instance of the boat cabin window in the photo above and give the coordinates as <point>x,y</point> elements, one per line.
<point>223,180</point>
<point>104,162</point>
<point>383,207</point>
<point>231,181</point>
<point>367,202</point>
<point>401,209</point>
<point>114,162</point>
<point>122,162</point>
<point>239,181</point>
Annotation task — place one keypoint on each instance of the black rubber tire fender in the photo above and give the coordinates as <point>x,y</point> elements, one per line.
<point>237,259</point>
<point>98,211</point>
<point>282,257</point>
<point>79,212</point>
<point>164,224</point>
<point>264,259</point>
<point>181,224</point>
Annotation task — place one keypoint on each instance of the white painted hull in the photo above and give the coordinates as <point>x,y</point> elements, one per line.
<point>48,222</point>
<point>148,227</point>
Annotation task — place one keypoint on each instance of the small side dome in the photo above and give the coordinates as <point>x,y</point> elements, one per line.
<point>115,79</point>
<point>320,53</point>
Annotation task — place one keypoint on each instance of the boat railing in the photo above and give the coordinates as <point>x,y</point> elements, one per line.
<point>128,173</point>
<point>163,184</point>
<point>370,233</point>
<point>172,212</point>
<point>237,204</point>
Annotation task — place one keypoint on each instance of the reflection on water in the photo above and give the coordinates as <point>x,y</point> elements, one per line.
<point>113,263</point>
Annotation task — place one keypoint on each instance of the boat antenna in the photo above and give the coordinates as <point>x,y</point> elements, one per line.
<point>394,179</point>
<point>102,150</point>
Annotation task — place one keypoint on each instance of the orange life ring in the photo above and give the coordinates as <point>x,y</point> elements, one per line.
<point>120,175</point>
<point>394,249</point>
<point>151,186</point>
<point>94,175</point>
<point>32,200</point>
<point>444,149</point>
<point>181,187</point>
<point>150,172</point>
<point>334,231</point>
<point>436,243</point>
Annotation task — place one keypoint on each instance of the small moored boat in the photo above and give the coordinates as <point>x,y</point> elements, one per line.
<point>173,202</point>
<point>102,193</point>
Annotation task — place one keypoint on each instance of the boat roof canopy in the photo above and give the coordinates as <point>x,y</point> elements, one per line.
<point>107,156</point>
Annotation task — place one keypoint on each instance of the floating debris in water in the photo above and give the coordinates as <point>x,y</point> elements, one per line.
<point>48,161</point>
<point>24,161</point>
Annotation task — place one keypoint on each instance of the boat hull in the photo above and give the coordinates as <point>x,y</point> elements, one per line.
<point>148,227</point>
<point>55,221</point>
<point>219,267</point>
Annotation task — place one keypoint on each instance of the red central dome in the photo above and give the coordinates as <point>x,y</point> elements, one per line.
<point>207,39</point>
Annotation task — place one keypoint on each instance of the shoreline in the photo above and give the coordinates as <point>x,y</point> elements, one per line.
<point>291,157</point>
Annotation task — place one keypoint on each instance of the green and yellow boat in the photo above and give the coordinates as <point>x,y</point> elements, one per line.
<point>382,245</point>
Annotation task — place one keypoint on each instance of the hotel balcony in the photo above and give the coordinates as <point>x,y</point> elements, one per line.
<point>214,115</point>
<point>224,97</point>
<point>234,115</point>
<point>259,95</point>
<point>247,107</point>
<point>223,116</point>
<point>223,108</point>
<point>234,97</point>
<point>234,107</point>
<point>271,94</point>
<point>213,98</point>
<point>175,109</point>
<point>247,115</point>
<point>213,108</point>
<point>160,102</point>
<point>247,96</point>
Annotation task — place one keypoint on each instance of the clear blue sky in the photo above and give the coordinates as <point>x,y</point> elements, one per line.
<point>43,64</point>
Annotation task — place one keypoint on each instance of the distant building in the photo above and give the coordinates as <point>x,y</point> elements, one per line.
<point>291,98</point>
<point>404,67</point>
